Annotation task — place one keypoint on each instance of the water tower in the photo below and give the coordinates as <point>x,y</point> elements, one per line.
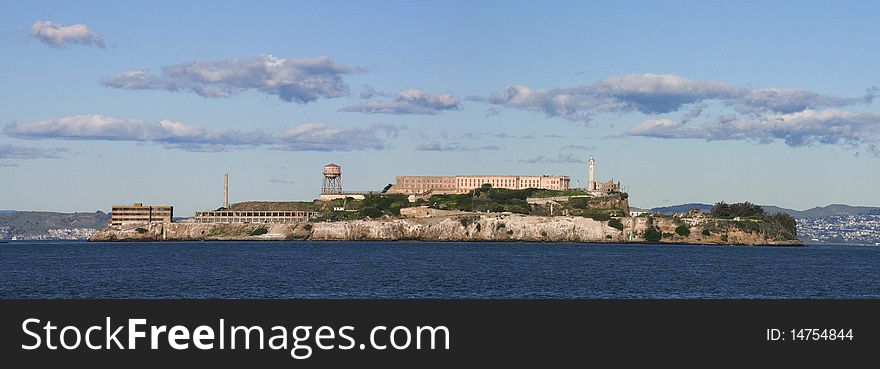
<point>332,179</point>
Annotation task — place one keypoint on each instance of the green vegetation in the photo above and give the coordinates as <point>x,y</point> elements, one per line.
<point>602,217</point>
<point>372,206</point>
<point>652,234</point>
<point>307,227</point>
<point>616,223</point>
<point>488,199</point>
<point>724,210</point>
<point>259,231</point>
<point>706,232</point>
<point>140,230</point>
<point>683,231</point>
<point>753,219</point>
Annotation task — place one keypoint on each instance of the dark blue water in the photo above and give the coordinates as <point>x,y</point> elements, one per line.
<point>432,270</point>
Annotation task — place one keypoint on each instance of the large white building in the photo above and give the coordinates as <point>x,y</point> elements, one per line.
<point>462,184</point>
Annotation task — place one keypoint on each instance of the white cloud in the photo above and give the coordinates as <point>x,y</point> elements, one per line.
<point>559,159</point>
<point>57,35</point>
<point>452,146</point>
<point>408,101</point>
<point>804,128</point>
<point>301,80</point>
<point>171,134</point>
<point>658,94</point>
<point>8,151</point>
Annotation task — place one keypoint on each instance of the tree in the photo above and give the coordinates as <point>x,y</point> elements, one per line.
<point>683,231</point>
<point>741,209</point>
<point>653,235</point>
<point>616,223</point>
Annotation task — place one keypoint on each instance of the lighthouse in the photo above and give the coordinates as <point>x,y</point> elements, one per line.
<point>591,182</point>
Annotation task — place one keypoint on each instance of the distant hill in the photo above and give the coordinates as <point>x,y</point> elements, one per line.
<point>816,212</point>
<point>7,211</point>
<point>825,211</point>
<point>683,208</point>
<point>40,222</point>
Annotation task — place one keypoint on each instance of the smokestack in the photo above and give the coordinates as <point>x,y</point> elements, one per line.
<point>226,190</point>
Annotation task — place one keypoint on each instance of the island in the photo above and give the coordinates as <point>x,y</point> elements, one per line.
<point>485,213</point>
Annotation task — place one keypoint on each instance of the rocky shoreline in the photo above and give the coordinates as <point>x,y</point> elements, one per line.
<point>459,228</point>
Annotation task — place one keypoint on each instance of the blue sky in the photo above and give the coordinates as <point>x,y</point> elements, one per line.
<point>106,103</point>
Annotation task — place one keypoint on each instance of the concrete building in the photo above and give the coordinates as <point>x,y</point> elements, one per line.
<point>140,214</point>
<point>222,216</point>
<point>413,185</point>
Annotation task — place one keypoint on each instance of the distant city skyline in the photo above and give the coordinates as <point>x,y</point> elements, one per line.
<point>110,103</point>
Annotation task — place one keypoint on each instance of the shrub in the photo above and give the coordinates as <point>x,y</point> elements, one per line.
<point>307,227</point>
<point>706,232</point>
<point>141,230</point>
<point>724,237</point>
<point>616,223</point>
<point>500,225</point>
<point>601,217</point>
<point>478,227</point>
<point>652,235</point>
<point>579,203</point>
<point>509,232</point>
<point>259,231</point>
<point>683,231</point>
<point>748,226</point>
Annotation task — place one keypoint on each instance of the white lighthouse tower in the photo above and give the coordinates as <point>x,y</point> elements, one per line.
<point>591,182</point>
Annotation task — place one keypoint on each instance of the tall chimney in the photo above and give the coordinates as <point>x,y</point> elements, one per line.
<point>226,190</point>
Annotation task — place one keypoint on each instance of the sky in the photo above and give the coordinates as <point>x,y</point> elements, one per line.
<point>105,103</point>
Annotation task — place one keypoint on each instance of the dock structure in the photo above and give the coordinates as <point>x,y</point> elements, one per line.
<point>222,216</point>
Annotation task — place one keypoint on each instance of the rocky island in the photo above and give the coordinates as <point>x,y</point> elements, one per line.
<point>484,214</point>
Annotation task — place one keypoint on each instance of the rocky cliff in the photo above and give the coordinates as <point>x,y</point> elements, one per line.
<point>468,227</point>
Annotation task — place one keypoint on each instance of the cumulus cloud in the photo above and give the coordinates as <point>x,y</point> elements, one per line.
<point>786,100</point>
<point>57,35</point>
<point>804,128</point>
<point>171,134</point>
<point>559,159</point>
<point>452,146</point>
<point>658,94</point>
<point>294,80</point>
<point>408,101</point>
